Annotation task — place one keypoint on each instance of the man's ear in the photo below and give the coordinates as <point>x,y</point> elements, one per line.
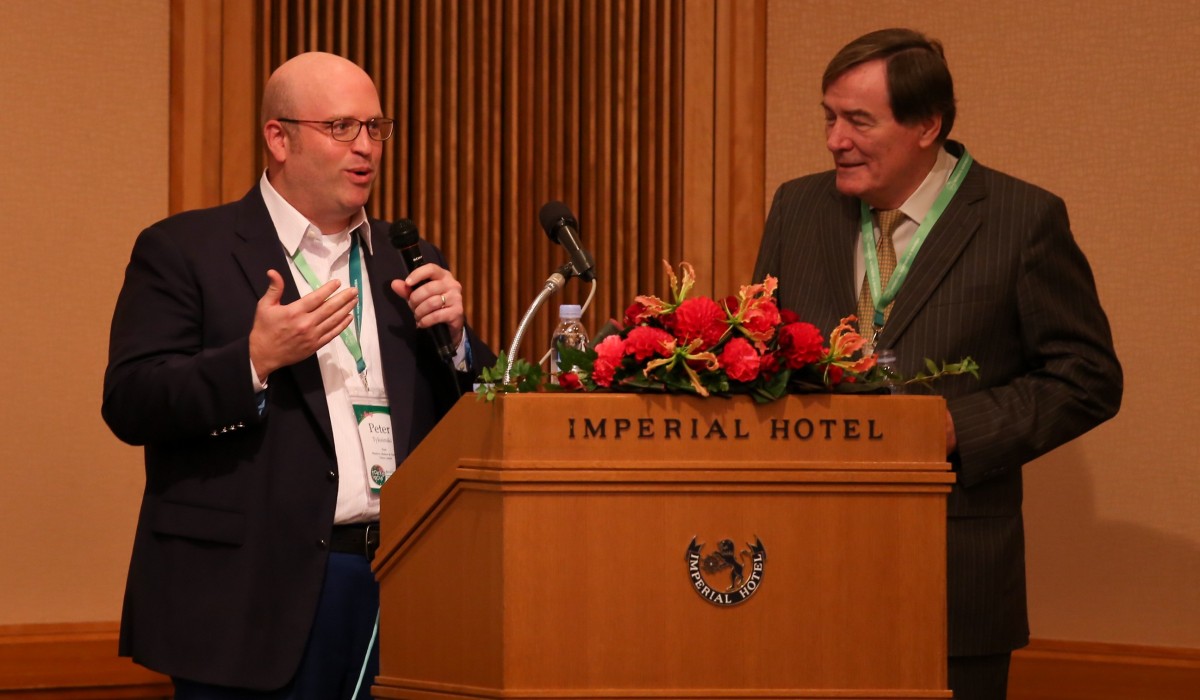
<point>277,139</point>
<point>930,128</point>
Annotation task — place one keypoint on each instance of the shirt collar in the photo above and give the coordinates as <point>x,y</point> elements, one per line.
<point>921,201</point>
<point>291,225</point>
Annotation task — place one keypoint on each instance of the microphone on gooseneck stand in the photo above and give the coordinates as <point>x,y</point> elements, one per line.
<point>406,240</point>
<point>563,229</point>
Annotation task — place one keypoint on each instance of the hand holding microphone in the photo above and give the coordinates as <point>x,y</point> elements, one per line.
<point>432,292</point>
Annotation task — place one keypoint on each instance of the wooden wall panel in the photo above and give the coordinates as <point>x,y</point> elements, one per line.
<point>1062,670</point>
<point>214,102</point>
<point>76,661</point>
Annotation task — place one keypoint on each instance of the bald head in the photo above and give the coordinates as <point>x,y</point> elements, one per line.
<point>326,179</point>
<point>300,83</point>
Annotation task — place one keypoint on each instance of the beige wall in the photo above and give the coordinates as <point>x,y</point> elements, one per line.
<point>83,120</point>
<point>1095,101</point>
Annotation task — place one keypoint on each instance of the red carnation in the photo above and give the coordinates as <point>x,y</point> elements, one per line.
<point>788,316</point>
<point>701,318</point>
<point>603,371</point>
<point>611,348</point>
<point>740,360</point>
<point>800,344</point>
<point>647,341</point>
<point>608,358</point>
<point>569,381</point>
<point>768,364</point>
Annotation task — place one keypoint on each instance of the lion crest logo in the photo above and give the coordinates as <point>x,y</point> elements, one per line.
<point>745,571</point>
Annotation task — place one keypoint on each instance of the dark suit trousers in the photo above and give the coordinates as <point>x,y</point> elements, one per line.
<point>333,657</point>
<point>979,677</point>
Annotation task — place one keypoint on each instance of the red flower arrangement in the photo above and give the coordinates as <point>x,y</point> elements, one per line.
<point>744,344</point>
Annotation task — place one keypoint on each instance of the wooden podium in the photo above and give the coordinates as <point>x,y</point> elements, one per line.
<point>538,547</point>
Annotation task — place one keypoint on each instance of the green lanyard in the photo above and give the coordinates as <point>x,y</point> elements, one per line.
<point>884,297</point>
<point>349,337</point>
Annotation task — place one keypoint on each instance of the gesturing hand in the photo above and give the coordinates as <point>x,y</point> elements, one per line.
<point>283,335</point>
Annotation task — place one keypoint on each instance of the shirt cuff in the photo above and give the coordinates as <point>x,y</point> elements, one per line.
<point>260,391</point>
<point>462,355</point>
<point>254,382</point>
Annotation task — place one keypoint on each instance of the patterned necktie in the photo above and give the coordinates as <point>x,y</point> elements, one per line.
<point>885,251</point>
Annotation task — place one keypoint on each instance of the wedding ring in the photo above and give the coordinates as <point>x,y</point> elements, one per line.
<point>443,301</point>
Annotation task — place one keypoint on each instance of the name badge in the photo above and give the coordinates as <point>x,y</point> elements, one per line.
<point>375,434</point>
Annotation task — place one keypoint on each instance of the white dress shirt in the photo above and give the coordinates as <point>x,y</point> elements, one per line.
<point>329,257</point>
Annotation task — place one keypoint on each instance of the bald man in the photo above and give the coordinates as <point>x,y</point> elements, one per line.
<point>252,346</point>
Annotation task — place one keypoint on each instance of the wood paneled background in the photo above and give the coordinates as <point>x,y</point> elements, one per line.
<point>626,110</point>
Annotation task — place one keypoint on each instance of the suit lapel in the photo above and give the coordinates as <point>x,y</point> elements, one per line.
<point>837,247</point>
<point>946,242</point>
<point>259,250</point>
<point>395,324</point>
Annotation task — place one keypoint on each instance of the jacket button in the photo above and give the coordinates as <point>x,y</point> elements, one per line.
<point>322,544</point>
<point>332,475</point>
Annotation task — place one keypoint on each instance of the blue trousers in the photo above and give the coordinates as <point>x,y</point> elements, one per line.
<point>336,647</point>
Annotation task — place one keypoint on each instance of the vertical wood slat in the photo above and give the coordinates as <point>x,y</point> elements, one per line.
<point>402,87</point>
<point>434,176</point>
<point>494,223</point>
<point>195,105</point>
<point>510,247</point>
<point>545,141</point>
<point>740,165</point>
<point>591,188</point>
<point>241,93</point>
<point>618,46</point>
<point>698,135</point>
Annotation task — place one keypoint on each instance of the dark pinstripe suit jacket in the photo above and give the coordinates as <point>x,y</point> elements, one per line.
<point>1000,279</point>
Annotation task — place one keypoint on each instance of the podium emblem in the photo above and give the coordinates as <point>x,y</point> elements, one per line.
<point>726,576</point>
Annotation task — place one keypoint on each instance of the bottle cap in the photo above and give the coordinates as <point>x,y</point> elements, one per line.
<point>570,311</point>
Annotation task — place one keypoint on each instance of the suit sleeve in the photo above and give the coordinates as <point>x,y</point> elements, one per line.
<point>164,381</point>
<point>768,249</point>
<point>1071,381</point>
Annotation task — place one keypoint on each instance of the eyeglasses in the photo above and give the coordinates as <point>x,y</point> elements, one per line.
<point>347,128</point>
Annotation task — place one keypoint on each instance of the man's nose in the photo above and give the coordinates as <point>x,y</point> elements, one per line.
<point>835,137</point>
<point>363,143</point>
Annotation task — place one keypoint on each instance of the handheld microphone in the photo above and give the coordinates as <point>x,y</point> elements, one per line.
<point>405,239</point>
<point>563,229</point>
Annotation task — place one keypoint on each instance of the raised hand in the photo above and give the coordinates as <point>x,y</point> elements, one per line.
<point>283,335</point>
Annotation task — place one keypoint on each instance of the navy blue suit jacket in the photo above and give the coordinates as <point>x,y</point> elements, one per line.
<point>230,551</point>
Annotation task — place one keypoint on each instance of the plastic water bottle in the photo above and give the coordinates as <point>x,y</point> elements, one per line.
<point>570,332</point>
<point>888,361</point>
